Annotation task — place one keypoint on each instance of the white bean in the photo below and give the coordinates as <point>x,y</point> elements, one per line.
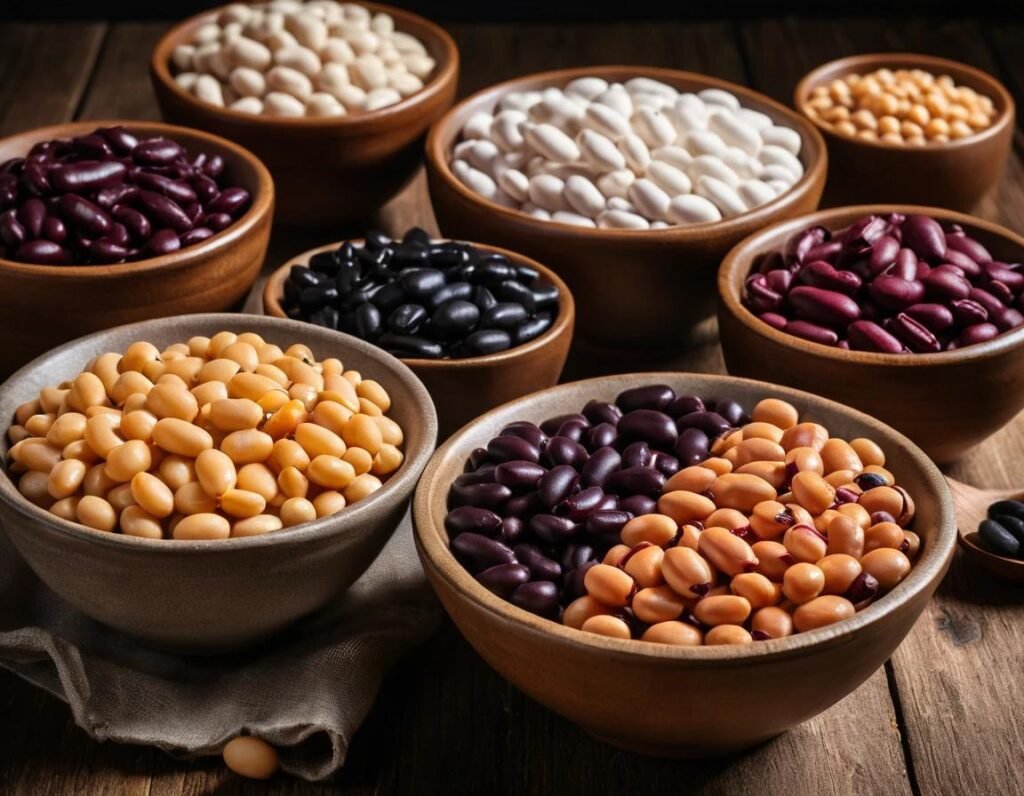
<point>546,192</point>
<point>565,217</point>
<point>536,212</point>
<point>722,194</point>
<point>584,196</point>
<point>692,209</point>
<point>710,166</point>
<point>587,87</point>
<point>419,65</point>
<point>616,183</point>
<point>322,104</point>
<point>405,43</point>
<point>474,179</point>
<point>716,96</point>
<point>286,80</point>
<point>759,121</point>
<point>277,103</point>
<point>605,120</point>
<point>253,105</point>
<point>246,52</point>
<point>338,51</point>
<point>620,219</point>
<point>783,137</point>
<point>381,98</point>
<point>482,154</point>
<point>248,82</point>
<point>186,80</point>
<point>669,178</point>
<point>773,155</point>
<point>734,131</point>
<point>636,152</point>
<point>650,200</point>
<point>405,84</point>
<point>551,143</point>
<point>515,184</point>
<point>653,128</point>
<point>368,72</point>
<point>505,130</point>
<point>646,85</point>
<point>300,58</point>
<point>332,78</point>
<point>621,203</point>
<point>754,193</point>
<point>704,142</point>
<point>181,57</point>
<point>673,155</point>
<point>780,173</point>
<point>478,125</point>
<point>207,88</point>
<point>617,98</point>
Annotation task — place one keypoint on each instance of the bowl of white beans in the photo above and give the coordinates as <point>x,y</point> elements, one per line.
<point>335,98</point>
<point>631,182</point>
<point>200,483</point>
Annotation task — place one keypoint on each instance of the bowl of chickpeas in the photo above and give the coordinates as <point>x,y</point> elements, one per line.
<point>909,128</point>
<point>683,564</point>
<point>200,483</point>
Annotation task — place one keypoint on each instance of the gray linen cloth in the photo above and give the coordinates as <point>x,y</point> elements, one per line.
<point>306,691</point>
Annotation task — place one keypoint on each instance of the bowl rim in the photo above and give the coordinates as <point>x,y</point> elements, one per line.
<point>996,91</point>
<point>406,477</point>
<point>927,569</point>
<point>564,319</point>
<point>445,72</point>
<point>262,203</point>
<point>740,259</point>
<point>440,136</point>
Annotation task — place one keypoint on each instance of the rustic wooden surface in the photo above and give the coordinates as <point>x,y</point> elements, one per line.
<point>941,717</point>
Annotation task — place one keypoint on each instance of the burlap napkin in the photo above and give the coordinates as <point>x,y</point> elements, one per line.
<point>306,692</point>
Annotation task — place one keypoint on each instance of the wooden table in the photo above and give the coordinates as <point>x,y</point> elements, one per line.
<point>941,717</point>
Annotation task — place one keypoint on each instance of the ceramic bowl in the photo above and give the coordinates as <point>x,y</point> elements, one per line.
<point>77,299</point>
<point>206,596</point>
<point>636,289</point>
<point>955,174</point>
<point>946,402</point>
<point>465,388</point>
<point>331,171</point>
<point>675,701</point>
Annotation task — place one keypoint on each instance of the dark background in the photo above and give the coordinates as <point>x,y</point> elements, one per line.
<point>496,10</point>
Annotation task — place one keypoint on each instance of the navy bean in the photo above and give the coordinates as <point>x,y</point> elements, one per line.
<point>562,450</point>
<point>539,565</point>
<point>557,484</point>
<point>635,481</point>
<point>477,553</point>
<point>472,519</point>
<point>538,597</point>
<point>504,579</point>
<point>578,507</point>
<point>519,475</point>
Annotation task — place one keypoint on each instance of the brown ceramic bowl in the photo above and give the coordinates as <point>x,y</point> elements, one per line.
<point>674,701</point>
<point>45,305</point>
<point>1008,569</point>
<point>206,596</point>
<point>955,174</point>
<point>465,388</point>
<point>327,171</point>
<point>945,402</point>
<point>636,288</point>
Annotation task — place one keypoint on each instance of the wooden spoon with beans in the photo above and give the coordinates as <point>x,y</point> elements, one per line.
<point>971,508</point>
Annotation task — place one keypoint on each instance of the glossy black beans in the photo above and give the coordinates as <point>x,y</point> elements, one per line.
<point>1003,532</point>
<point>444,300</point>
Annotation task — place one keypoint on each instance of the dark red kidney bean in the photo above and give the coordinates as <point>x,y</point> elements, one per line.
<point>216,221</point>
<point>608,503</point>
<point>552,424</point>
<point>863,589</point>
<point>106,250</point>
<point>198,234</point>
<point>520,506</point>
<point>477,459</point>
<point>820,274</point>
<point>648,425</point>
<point>482,475</point>
<point>477,553</point>
<point>512,530</point>
<point>665,463</point>
<point>115,195</point>
<point>985,299</point>
<point>968,312</point>
<point>605,523</point>
<point>11,166</point>
<point>934,317</point>
<point>562,450</point>
<point>538,597</point>
<point>968,246</point>
<point>193,210</point>
<point>780,281</point>
<point>805,240</point>
<point>637,454</point>
<point>601,464</point>
<point>180,192</point>
<point>119,139</point>
<point>638,505</point>
<point>539,565</point>
<point>759,297</point>
<point>163,242</point>
<point>970,268</point>
<point>577,507</point>
<point>85,215</point>
<point>652,396</point>
<point>573,582</point>
<point>869,336</point>
<point>711,423</point>
<point>894,293</point>
<point>925,236</point>
<point>946,284</point>
<point>91,146</point>
<point>472,519</point>
<point>1014,280</point>
<point>510,448</point>
<point>774,320</point>
<point>825,307</point>
<point>156,152</point>
<point>504,579</point>
<point>573,429</point>
<point>525,430</point>
<point>684,405</point>
<point>576,555</point>
<point>553,530</point>
<point>828,251</point>
<point>519,475</point>
<point>598,412</point>
<point>599,436</point>
<point>692,446</point>
<point>488,496</point>
<point>231,201</point>
<point>731,411</point>
<point>772,261</point>
<point>119,235</point>
<point>54,229</point>
<point>44,252</point>
<point>864,232</point>
<point>12,231</point>
<point>906,266</point>
<point>883,253</point>
<point>913,334</point>
<point>86,175</point>
<point>205,188</point>
<point>813,332</point>
<point>1007,318</point>
<point>635,481</point>
<point>214,166</point>
<point>163,211</point>
<point>557,484</point>
<point>138,225</point>
<point>978,333</point>
<point>32,214</point>
<point>35,179</point>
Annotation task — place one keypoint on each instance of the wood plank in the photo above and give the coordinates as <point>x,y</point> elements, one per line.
<point>120,88</point>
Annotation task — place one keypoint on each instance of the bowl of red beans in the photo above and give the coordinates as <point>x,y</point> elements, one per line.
<point>684,565</point>
<point>912,314</point>
<point>110,222</point>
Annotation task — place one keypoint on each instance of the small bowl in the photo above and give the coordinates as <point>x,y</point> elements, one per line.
<point>46,305</point>
<point>328,171</point>
<point>1008,569</point>
<point>674,701</point>
<point>636,288</point>
<point>956,174</point>
<point>946,402</point>
<point>463,389</point>
<point>207,596</point>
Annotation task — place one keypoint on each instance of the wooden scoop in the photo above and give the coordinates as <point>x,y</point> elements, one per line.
<point>971,508</point>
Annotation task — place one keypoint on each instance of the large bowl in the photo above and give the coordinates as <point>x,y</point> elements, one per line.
<point>210,276</point>
<point>328,171</point>
<point>636,289</point>
<point>955,174</point>
<point>205,596</point>
<point>946,402</point>
<point>466,388</point>
<point>683,701</point>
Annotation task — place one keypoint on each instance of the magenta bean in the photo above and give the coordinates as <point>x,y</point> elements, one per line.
<point>1000,291</point>
<point>637,454</point>
<point>828,251</point>
<point>230,201</point>
<point>894,293</point>
<point>518,475</point>
<point>1014,280</point>
<point>1007,318</point>
<point>577,507</point>
<point>774,320</point>
<point>601,464</point>
<point>813,332</point>
<point>538,597</point>
<point>120,139</point>
<point>573,429</point>
<point>665,463</point>
<point>86,175</point>
<point>925,236</point>
<point>552,424</point>
<point>638,505</point>
<point>54,229</point>
<point>138,225</point>
<point>863,589</point>
<point>607,523</point>
<point>85,215</point>
<point>553,530</point>
<point>164,211</point>
<point>12,231</point>
<point>32,214</point>
<point>946,283</point>
<point>539,565</point>
<point>780,281</point>
<point>804,241</point>
<point>106,250</point>
<point>180,192</point>
<point>561,450</point>
<point>156,152</point>
<point>864,232</point>
<point>44,252</point>
<point>205,188</point>
<point>967,312</point>
<point>913,334</point>
<point>825,307</point>
<point>985,299</point>
<point>122,194</point>
<point>213,166</point>
<point>598,412</point>
<point>512,529</point>
<point>969,267</point>
<point>968,246</point>
<point>196,235</point>
<point>503,579</point>
<point>648,425</point>
<point>477,553</point>
<point>978,333</point>
<point>635,481</point>
<point>905,266</point>
<point>216,221</point>
<point>471,519</point>
<point>934,317</point>
<point>883,253</point>
<point>759,297</point>
<point>869,336</point>
<point>600,436</point>
<point>35,179</point>
<point>654,396</point>
<point>684,405</point>
<point>522,505</point>
<point>527,431</point>
<point>821,274</point>
<point>163,242</point>
<point>557,484</point>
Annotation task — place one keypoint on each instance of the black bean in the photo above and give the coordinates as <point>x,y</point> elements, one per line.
<point>406,318</point>
<point>527,273</point>
<point>416,236</point>
<point>483,298</point>
<point>455,290</point>
<point>368,321</point>
<point>349,301</point>
<point>504,579</point>
<point>375,240</point>
<point>447,255</point>
<point>996,538</point>
<point>421,282</point>
<point>1014,525</point>
<point>653,396</point>
<point>318,296</point>
<point>517,293</point>
<point>492,270</point>
<point>532,328</point>
<point>454,318</point>
<point>1013,508</point>
<point>545,297</point>
<point>504,315</point>
<point>390,297</point>
<point>326,317</point>
<point>487,341</point>
<point>868,481</point>
<point>409,346</point>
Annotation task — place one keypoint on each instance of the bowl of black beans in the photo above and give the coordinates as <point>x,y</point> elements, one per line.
<point>478,324</point>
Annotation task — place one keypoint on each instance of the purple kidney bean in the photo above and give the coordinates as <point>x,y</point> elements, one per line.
<point>552,424</point>
<point>87,175</point>
<point>553,530</point>
<point>969,267</point>
<point>196,235</point>
<point>477,553</point>
<point>760,297</point>
<point>655,396</point>
<point>925,236</point>
<point>557,484</point>
<point>526,430</point>
<point>163,211</point>
<point>883,253</point>
<point>488,496</point>
<point>598,412</point>
<point>711,423</point>
<point>969,247</point>
<point>869,336</point>
<point>820,274</point>
<point>978,333</point>
<point>600,436</point>
<point>512,530</point>
<point>213,166</point>
<point>913,334</point>
<point>522,505</point>
<point>562,450</point>
<point>510,448</point>
<point>120,139</point>
<point>12,231</point>
<point>45,252</point>
<point>692,446</point>
<point>665,463</point>
<point>32,214</point>
<point>538,597</point>
<point>231,201</point>
<point>934,317</point>
<point>637,454</point>
<point>985,299</point>
<point>684,405</point>
<point>968,312</point>
<point>602,463</point>
<point>780,281</point>
<point>138,225</point>
<point>825,307</point>
<point>471,519</point>
<point>946,283</point>
<point>729,410</point>
<point>648,425</point>
<point>577,507</point>
<point>180,192</point>
<point>54,229</point>
<point>163,242</point>
<point>116,195</point>
<point>1007,318</point>
<point>503,579</point>
<point>119,235</point>
<point>518,475</point>
<point>894,293</point>
<point>813,332</point>
<point>576,555</point>
<point>540,566</point>
<point>573,429</point>
<point>806,240</point>
<point>774,320</point>
<point>638,505</point>
<point>1014,280</point>
<point>607,523</point>
<point>635,481</point>
<point>85,215</point>
<point>216,221</point>
<point>156,152</point>
<point>999,289</point>
<point>828,251</point>
<point>106,250</point>
<point>865,232</point>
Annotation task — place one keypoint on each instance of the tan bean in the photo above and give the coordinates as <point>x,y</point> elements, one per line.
<point>187,369</point>
<point>259,478</point>
<point>717,465</point>
<point>256,526</point>
<point>137,355</point>
<point>66,509</point>
<point>39,425</point>
<point>204,525</point>
<point>286,419</point>
<point>813,492</point>
<point>725,609</point>
<point>300,372</point>
<point>804,543</point>
<point>687,571</point>
<point>138,425</point>
<point>343,391</point>
<point>319,441</point>
<point>762,430</point>
<point>328,503</point>
<point>272,372</point>
<point>209,392</point>
<point>805,435</point>
<point>124,461</point>
<point>822,611</point>
<point>242,353</point>
<point>332,415</point>
<point>803,582</point>
<point>882,498</point>
<point>772,472</point>
<point>658,529</point>
<point>193,499</point>
<point>388,460</point>
<point>726,442</point>
<point>729,519</point>
<point>727,552</point>
<point>35,487</point>
<point>248,446</point>
<point>609,585</point>
<point>888,566</point>
<point>65,478</point>
<point>727,634</point>
<point>35,453</point>
<point>16,433</point>
<point>155,370</point>
<point>857,513</point>
<point>741,491</point>
<point>251,386</point>
<point>758,590</point>
<point>690,479</point>
<point>689,536</point>
<point>296,511</point>
<point>837,454</point>
<point>176,471</point>
<point>152,495</point>
<point>604,625</point>
<point>911,545</point>
<point>80,450</point>
<point>331,472</point>
<point>804,459</point>
<point>772,621</point>
<point>181,437</point>
<point>373,391</point>
<point>219,342</point>
<point>581,609</point>
<point>242,504</point>
<point>50,401</point>
<point>644,566</point>
<point>216,472</point>
<point>840,571</point>
<point>128,384</point>
<point>96,513</point>
<point>770,519</point>
<point>288,453</point>
<point>292,483</point>
<point>846,536</point>
<point>840,478</point>
<point>86,390</point>
<point>172,400</point>
<point>756,450</point>
<point>882,534</point>
<point>868,451</point>
<point>235,414</point>
<point>96,481</point>
<point>362,432</point>
<point>657,604</point>
<point>135,521</point>
<point>680,634</point>
<point>773,559</point>
<point>105,367</point>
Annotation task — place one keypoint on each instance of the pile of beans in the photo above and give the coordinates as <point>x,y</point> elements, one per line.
<point>784,530</point>
<point>1002,532</point>
<point>110,197</point>
<point>905,106</point>
<point>541,505</point>
<point>421,299</point>
<point>288,58</point>
<point>218,437</point>
<point>633,155</point>
<point>892,284</point>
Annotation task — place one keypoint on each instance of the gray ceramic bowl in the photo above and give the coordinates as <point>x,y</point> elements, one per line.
<point>206,596</point>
